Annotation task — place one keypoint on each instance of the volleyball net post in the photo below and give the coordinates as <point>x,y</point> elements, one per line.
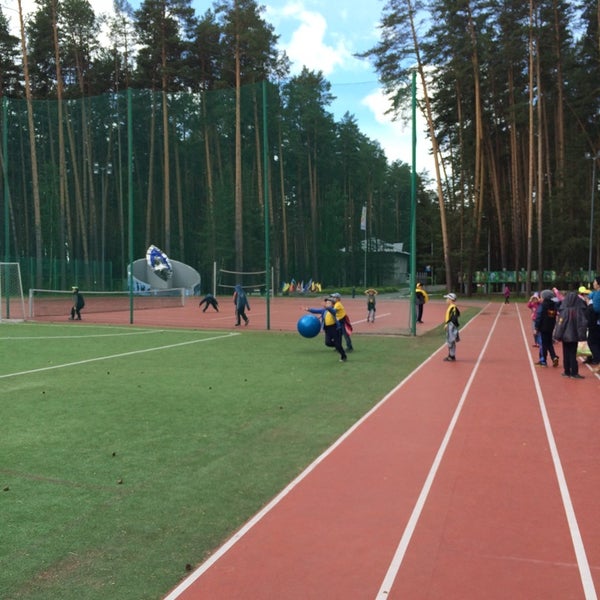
<point>253,282</point>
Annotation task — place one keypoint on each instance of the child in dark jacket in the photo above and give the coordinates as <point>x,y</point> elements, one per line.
<point>545,321</point>
<point>570,329</point>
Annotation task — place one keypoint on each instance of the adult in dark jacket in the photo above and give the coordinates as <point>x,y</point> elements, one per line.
<point>593,334</point>
<point>545,321</point>
<point>241,303</point>
<point>570,329</point>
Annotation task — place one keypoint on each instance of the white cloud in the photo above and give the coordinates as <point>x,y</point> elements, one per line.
<point>307,45</point>
<point>395,137</point>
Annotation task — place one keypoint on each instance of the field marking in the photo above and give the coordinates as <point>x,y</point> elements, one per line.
<point>121,355</point>
<point>578,546</point>
<point>81,337</point>
<point>223,549</point>
<point>411,525</point>
<point>380,316</point>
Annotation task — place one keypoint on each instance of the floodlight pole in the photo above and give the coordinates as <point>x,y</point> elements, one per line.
<point>594,158</point>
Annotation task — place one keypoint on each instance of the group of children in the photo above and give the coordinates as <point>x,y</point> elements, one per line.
<point>240,303</point>
<point>336,324</point>
<point>568,319</point>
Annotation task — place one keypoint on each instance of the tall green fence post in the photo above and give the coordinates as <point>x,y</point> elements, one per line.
<point>413,209</point>
<point>130,197</point>
<point>5,177</point>
<point>266,188</point>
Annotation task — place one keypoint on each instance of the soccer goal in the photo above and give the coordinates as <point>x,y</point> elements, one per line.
<point>12,301</point>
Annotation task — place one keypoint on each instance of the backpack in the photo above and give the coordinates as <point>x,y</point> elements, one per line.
<point>454,314</point>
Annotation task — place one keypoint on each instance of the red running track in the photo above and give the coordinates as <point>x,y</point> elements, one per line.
<point>470,480</point>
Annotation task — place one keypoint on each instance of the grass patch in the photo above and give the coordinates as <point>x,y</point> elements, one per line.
<point>127,457</point>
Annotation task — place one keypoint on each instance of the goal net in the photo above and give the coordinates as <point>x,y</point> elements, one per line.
<point>54,303</point>
<point>12,302</point>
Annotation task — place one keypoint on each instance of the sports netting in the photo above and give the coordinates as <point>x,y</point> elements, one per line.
<point>110,176</point>
<point>253,282</point>
<point>50,303</point>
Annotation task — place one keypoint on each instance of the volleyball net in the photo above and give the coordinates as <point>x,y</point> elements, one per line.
<point>253,282</point>
<point>50,303</point>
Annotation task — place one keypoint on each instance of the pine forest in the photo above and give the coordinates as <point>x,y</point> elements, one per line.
<point>189,131</point>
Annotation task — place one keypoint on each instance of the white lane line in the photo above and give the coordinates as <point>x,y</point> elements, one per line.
<point>111,356</point>
<point>238,535</point>
<point>409,530</point>
<point>582,561</point>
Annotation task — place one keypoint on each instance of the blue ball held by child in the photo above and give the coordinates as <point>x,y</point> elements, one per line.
<point>309,326</point>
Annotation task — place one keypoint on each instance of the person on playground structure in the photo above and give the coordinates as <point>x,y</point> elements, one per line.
<point>421,296</point>
<point>209,300</point>
<point>344,320</point>
<point>371,304</point>
<point>78,304</point>
<point>332,326</point>
<point>451,326</point>
<point>240,300</point>
<point>545,320</point>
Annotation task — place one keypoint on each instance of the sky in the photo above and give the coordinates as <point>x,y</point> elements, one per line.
<point>325,35</point>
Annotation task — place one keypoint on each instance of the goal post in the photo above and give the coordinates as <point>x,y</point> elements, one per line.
<point>12,301</point>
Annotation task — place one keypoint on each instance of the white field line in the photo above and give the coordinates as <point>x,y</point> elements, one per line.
<point>121,355</point>
<point>81,337</point>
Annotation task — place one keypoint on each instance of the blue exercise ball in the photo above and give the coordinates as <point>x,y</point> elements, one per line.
<point>309,326</point>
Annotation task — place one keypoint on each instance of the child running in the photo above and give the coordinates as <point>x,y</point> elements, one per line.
<point>332,326</point>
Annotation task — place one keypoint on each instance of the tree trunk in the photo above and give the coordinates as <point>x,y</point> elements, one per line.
<point>150,192</point>
<point>478,191</point>
<point>435,148</point>
<point>239,219</point>
<point>282,192</point>
<point>65,227</point>
<point>166,171</point>
<point>530,153</point>
<point>210,200</point>
<point>33,154</point>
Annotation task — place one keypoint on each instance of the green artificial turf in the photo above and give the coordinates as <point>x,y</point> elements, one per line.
<point>127,456</point>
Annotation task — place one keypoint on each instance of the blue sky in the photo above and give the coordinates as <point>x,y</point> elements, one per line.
<point>324,35</point>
